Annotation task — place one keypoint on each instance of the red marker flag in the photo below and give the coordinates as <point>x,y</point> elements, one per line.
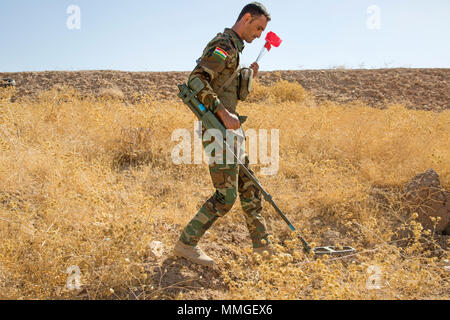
<point>271,40</point>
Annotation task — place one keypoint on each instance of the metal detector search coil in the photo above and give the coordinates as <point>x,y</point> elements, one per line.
<point>333,250</point>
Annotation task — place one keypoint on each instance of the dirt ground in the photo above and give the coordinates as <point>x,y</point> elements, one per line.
<point>424,89</point>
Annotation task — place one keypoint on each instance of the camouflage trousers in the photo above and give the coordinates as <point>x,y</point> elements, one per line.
<point>228,181</point>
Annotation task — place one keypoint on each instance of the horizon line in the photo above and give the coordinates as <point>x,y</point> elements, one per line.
<point>338,68</point>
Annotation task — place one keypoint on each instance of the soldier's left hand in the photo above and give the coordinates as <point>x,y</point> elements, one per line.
<point>255,67</point>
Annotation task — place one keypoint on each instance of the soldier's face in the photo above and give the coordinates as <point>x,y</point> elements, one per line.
<point>254,27</point>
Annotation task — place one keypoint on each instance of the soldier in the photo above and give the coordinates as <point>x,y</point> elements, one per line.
<point>218,70</point>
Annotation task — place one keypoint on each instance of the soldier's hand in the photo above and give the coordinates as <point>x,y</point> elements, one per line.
<point>229,120</point>
<point>255,67</point>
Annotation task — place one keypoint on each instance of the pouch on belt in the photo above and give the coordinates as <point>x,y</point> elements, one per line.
<point>245,83</point>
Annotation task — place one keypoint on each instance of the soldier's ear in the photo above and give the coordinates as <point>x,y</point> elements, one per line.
<point>247,17</point>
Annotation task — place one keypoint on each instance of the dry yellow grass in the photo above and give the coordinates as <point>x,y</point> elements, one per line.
<point>90,183</point>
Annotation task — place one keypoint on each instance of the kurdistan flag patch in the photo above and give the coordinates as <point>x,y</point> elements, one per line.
<point>220,53</point>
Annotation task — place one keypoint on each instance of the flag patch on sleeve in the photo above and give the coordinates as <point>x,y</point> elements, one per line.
<point>220,53</point>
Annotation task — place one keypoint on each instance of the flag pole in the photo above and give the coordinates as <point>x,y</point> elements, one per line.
<point>261,54</point>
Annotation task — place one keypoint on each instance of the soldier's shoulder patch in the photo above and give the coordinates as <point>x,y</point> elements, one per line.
<point>215,55</point>
<point>220,54</point>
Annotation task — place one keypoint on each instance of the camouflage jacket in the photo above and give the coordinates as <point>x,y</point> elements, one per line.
<point>219,61</point>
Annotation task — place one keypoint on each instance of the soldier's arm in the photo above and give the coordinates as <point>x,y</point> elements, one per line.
<point>214,60</point>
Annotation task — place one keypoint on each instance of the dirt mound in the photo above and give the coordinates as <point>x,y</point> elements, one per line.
<point>424,89</point>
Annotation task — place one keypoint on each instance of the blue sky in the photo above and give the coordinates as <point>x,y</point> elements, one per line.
<point>147,35</point>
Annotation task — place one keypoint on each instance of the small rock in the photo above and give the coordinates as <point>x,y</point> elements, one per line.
<point>157,248</point>
<point>7,82</point>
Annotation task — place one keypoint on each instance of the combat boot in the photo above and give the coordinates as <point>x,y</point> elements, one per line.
<point>194,254</point>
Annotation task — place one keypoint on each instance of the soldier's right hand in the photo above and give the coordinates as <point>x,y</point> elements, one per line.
<point>229,120</point>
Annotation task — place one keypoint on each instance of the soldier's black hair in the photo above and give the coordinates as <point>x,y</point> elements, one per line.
<point>256,9</point>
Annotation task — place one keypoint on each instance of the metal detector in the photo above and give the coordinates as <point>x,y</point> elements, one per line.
<point>209,121</point>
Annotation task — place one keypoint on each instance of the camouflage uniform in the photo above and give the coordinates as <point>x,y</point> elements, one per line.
<point>218,63</point>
